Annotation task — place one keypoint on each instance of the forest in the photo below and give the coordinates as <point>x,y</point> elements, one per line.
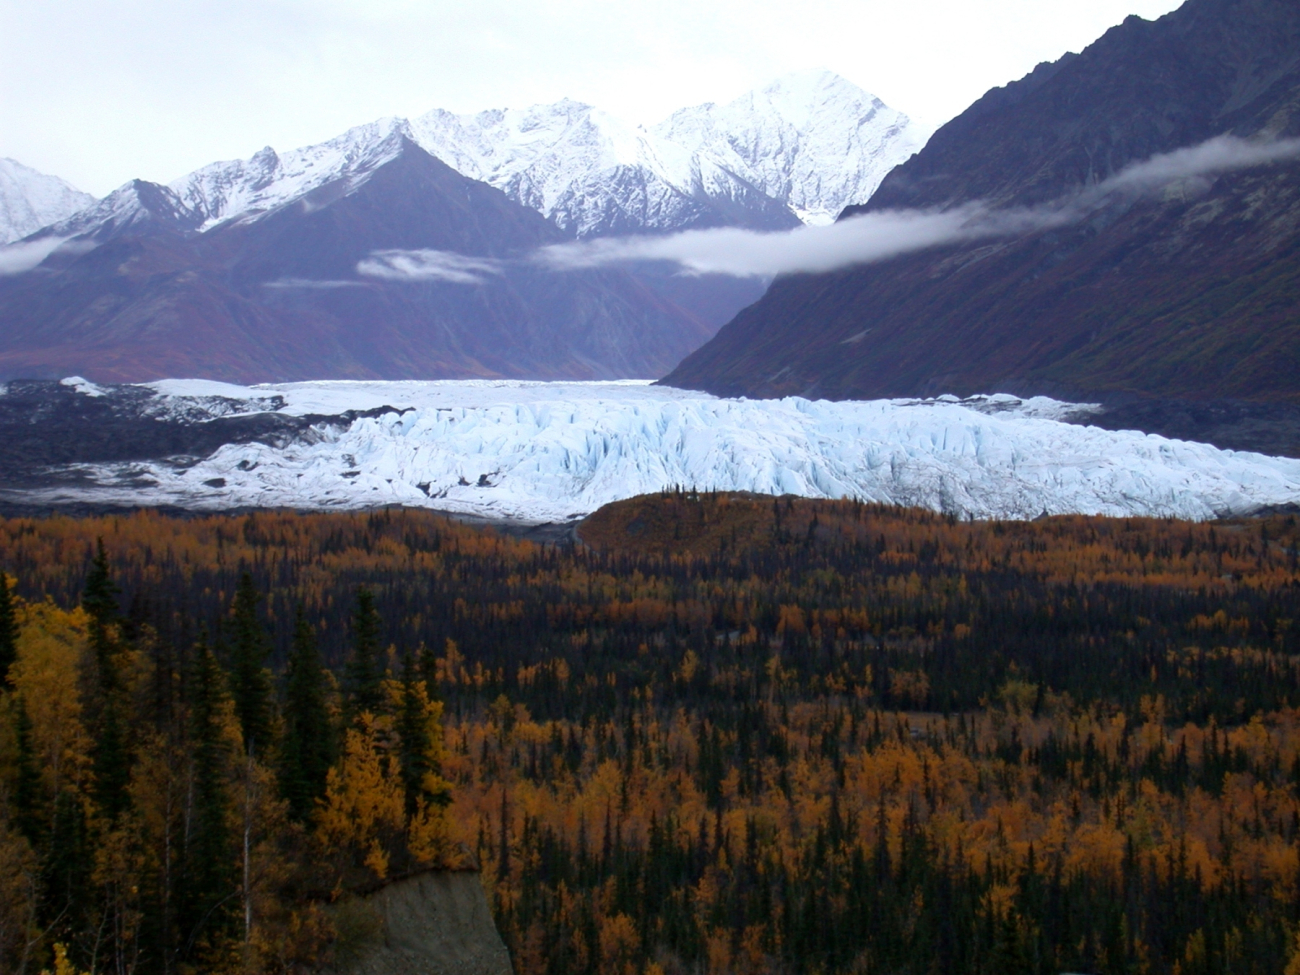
<point>708,734</point>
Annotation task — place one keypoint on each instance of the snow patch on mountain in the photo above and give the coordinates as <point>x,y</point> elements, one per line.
<point>812,142</point>
<point>557,451</point>
<point>806,145</point>
<point>812,139</point>
<point>245,189</point>
<point>30,200</point>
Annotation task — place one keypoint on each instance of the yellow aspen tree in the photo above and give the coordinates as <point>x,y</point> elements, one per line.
<point>51,645</point>
<point>362,814</point>
<point>19,888</point>
<point>62,965</point>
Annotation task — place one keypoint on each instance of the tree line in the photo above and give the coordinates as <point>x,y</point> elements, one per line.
<point>722,733</point>
<point>167,811</point>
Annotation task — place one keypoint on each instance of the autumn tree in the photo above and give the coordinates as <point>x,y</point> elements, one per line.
<point>362,821</point>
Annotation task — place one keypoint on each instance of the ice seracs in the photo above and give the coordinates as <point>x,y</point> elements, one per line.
<point>555,451</point>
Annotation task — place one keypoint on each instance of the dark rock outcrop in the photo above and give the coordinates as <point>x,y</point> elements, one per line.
<point>433,923</point>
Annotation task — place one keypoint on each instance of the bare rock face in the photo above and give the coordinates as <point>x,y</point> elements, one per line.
<point>434,923</point>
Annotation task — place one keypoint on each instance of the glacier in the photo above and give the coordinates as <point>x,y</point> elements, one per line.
<point>553,452</point>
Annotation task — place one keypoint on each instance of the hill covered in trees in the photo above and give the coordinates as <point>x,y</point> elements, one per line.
<point>721,734</point>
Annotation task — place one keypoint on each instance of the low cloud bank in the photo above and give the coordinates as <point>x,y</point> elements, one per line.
<point>745,253</point>
<point>872,237</point>
<point>23,256</point>
<point>428,265</point>
<point>1222,154</point>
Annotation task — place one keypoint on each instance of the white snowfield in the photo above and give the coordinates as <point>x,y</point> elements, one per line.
<point>545,452</point>
<point>812,141</point>
<point>30,200</point>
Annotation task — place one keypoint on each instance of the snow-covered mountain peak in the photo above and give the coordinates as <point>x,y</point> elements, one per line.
<point>131,206</point>
<point>806,144</point>
<point>540,155</point>
<point>30,200</point>
<point>808,98</point>
<point>246,188</point>
<point>811,139</point>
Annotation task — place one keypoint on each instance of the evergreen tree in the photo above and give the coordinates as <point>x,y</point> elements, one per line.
<point>8,631</point>
<point>111,757</point>
<point>206,902</point>
<point>365,672</point>
<point>65,873</point>
<point>27,784</point>
<point>413,740</point>
<point>250,683</point>
<point>307,750</point>
<point>99,600</point>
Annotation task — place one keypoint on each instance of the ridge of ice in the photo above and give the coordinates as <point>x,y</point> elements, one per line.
<point>555,451</point>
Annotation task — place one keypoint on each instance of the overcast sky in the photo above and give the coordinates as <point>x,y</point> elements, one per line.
<point>101,91</point>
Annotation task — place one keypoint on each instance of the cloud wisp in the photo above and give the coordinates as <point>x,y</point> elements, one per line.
<point>872,237</point>
<point>1214,157</point>
<point>428,265</point>
<point>25,255</point>
<point>310,284</point>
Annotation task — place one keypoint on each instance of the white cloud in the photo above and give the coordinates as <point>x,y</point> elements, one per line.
<point>20,257</point>
<point>872,237</point>
<point>1219,155</point>
<point>310,284</point>
<point>428,265</point>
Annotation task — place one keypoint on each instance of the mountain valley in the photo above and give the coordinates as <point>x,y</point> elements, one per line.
<point>403,249</point>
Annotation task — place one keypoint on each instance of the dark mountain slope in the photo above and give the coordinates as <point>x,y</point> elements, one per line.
<point>280,296</point>
<point>1192,292</point>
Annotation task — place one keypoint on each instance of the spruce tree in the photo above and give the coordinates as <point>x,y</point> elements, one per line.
<point>206,902</point>
<point>110,757</point>
<point>364,670</point>
<point>250,683</point>
<point>8,631</point>
<point>413,740</point>
<point>65,871</point>
<point>27,784</point>
<point>307,749</point>
<point>99,600</point>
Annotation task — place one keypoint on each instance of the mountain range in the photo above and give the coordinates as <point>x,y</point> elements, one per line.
<point>1180,291</point>
<point>402,248</point>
